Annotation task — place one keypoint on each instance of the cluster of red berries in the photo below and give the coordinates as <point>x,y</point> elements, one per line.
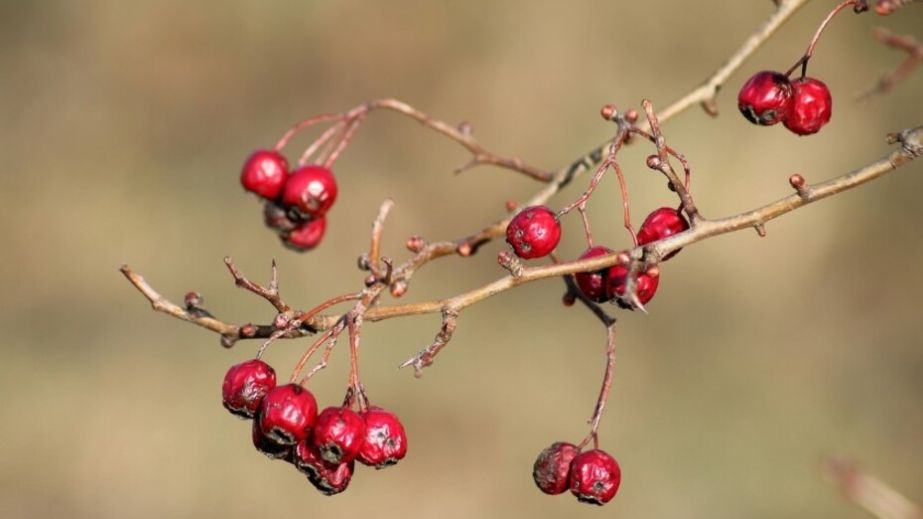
<point>325,446</point>
<point>535,231</point>
<point>804,105</point>
<point>593,476</point>
<point>296,202</point>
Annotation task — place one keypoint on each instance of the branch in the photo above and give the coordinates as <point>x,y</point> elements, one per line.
<point>908,44</point>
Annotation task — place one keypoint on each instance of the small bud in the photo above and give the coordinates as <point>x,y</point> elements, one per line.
<point>415,243</point>
<point>654,162</point>
<point>465,128</point>
<point>363,262</point>
<point>281,321</point>
<point>796,181</point>
<point>464,250</point>
<point>248,330</point>
<point>511,206</point>
<point>504,258</point>
<point>193,300</point>
<point>631,116</point>
<point>569,299</point>
<point>370,280</point>
<point>399,288</point>
<point>608,112</point>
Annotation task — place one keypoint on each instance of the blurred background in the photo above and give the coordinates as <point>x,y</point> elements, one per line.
<point>124,128</point>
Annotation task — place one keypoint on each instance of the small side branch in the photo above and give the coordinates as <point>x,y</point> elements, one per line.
<point>271,294</point>
<point>868,492</point>
<point>425,357</point>
<point>907,44</point>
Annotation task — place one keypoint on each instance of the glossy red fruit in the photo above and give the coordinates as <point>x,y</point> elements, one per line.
<point>811,106</point>
<point>765,98</point>
<point>311,190</point>
<point>306,235</point>
<point>385,440</point>
<point>287,414</point>
<point>593,284</point>
<point>552,467</point>
<point>329,478</point>
<point>646,286</point>
<point>266,445</point>
<point>245,385</point>
<point>338,434</point>
<point>534,232</point>
<point>660,224</point>
<point>594,477</point>
<point>264,173</point>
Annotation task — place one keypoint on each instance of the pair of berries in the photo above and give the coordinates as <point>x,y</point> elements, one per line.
<point>592,476</point>
<point>804,105</point>
<point>286,425</point>
<point>296,203</point>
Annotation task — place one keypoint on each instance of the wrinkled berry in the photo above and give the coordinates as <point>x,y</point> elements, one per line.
<point>534,232</point>
<point>811,106</point>
<point>552,467</point>
<point>385,440</point>
<point>593,284</point>
<point>311,190</point>
<point>329,478</point>
<point>646,286</point>
<point>765,97</point>
<point>275,217</point>
<point>245,385</point>
<point>338,434</point>
<point>266,445</point>
<point>264,173</point>
<point>660,224</point>
<point>594,477</point>
<point>287,414</point>
<point>306,235</point>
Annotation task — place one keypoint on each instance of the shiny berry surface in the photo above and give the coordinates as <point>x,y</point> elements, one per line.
<point>328,478</point>
<point>765,97</point>
<point>385,439</point>
<point>266,445</point>
<point>245,385</point>
<point>287,414</point>
<point>552,467</point>
<point>646,286</point>
<point>264,173</point>
<point>534,232</point>
<point>312,190</point>
<point>593,284</point>
<point>811,107</point>
<point>305,236</point>
<point>660,224</point>
<point>338,434</point>
<point>594,477</point>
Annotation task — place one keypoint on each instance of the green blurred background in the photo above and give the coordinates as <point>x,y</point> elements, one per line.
<point>124,127</point>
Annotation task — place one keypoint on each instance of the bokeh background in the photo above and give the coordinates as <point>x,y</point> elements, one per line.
<point>124,127</point>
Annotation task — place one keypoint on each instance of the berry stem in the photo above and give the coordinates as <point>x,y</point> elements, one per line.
<point>320,141</point>
<point>294,130</point>
<point>803,61</point>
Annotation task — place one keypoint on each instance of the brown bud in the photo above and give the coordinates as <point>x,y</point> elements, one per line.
<point>248,330</point>
<point>193,300</point>
<point>569,299</point>
<point>796,181</point>
<point>511,205</point>
<point>370,280</point>
<point>415,243</point>
<point>631,116</point>
<point>281,321</point>
<point>464,250</point>
<point>608,112</point>
<point>399,288</point>
<point>654,162</point>
<point>363,262</point>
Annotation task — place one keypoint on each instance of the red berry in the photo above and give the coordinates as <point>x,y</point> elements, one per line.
<point>245,385</point>
<point>385,440</point>
<point>811,107</point>
<point>306,235</point>
<point>264,173</point>
<point>552,467</point>
<point>329,478</point>
<point>534,232</point>
<point>765,97</point>
<point>338,434</point>
<point>310,189</point>
<point>593,284</point>
<point>266,445</point>
<point>646,286</point>
<point>594,477</point>
<point>660,224</point>
<point>287,414</point>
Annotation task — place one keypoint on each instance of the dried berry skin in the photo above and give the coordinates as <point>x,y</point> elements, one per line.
<point>264,173</point>
<point>534,232</point>
<point>245,385</point>
<point>660,224</point>
<point>646,286</point>
<point>287,414</point>
<point>552,467</point>
<point>385,439</point>
<point>338,434</point>
<point>266,445</point>
<point>306,235</point>
<point>811,106</point>
<point>765,98</point>
<point>275,217</point>
<point>594,477</point>
<point>593,284</point>
<point>328,478</point>
<point>311,190</point>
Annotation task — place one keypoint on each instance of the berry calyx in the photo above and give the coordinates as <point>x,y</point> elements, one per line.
<point>275,217</point>
<point>660,224</point>
<point>338,434</point>
<point>645,287</point>
<point>328,478</point>
<point>552,467</point>
<point>266,445</point>
<point>306,235</point>
<point>245,385</point>
<point>594,477</point>
<point>264,173</point>
<point>764,99</point>
<point>287,414</point>
<point>311,190</point>
<point>811,106</point>
<point>534,232</point>
<point>593,284</point>
<point>385,439</point>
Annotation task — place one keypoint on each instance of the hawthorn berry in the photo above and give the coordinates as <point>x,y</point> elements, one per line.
<point>338,434</point>
<point>646,285</point>
<point>811,106</point>
<point>660,224</point>
<point>329,478</point>
<point>264,173</point>
<point>552,467</point>
<point>534,232</point>
<point>385,440</point>
<point>593,284</point>
<point>765,98</point>
<point>311,190</point>
<point>245,385</point>
<point>267,446</point>
<point>594,477</point>
<point>306,235</point>
<point>287,414</point>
